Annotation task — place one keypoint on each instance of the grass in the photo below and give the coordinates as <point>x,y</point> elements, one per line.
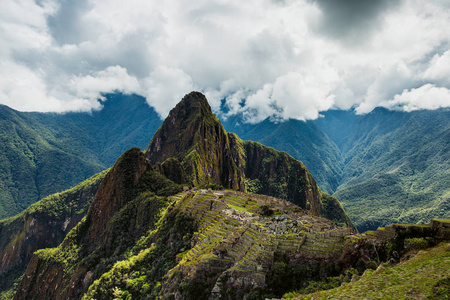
<point>240,209</point>
<point>425,276</point>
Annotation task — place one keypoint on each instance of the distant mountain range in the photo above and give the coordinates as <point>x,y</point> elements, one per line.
<point>385,166</point>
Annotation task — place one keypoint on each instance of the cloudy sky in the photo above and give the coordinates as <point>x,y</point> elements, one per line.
<point>292,59</point>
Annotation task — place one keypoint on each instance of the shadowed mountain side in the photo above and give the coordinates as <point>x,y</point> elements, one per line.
<point>42,225</point>
<point>127,205</point>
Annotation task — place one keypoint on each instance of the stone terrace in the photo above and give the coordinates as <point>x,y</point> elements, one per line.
<point>231,229</point>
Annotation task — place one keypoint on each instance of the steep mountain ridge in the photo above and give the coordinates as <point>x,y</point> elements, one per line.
<point>194,136</point>
<point>32,166</point>
<point>124,209</point>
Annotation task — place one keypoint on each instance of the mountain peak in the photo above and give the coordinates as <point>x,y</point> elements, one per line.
<point>194,136</point>
<point>194,100</point>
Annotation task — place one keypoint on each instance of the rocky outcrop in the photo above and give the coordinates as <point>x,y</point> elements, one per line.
<point>193,135</point>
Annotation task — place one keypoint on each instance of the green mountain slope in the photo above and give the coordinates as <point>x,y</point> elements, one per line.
<point>304,141</point>
<point>400,170</point>
<point>42,225</point>
<point>44,153</point>
<point>32,166</point>
<point>385,166</point>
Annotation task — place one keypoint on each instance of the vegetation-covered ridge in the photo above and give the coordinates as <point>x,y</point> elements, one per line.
<point>129,202</point>
<point>192,142</point>
<point>42,225</point>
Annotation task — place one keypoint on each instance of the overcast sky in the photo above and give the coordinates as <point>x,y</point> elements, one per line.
<point>292,59</point>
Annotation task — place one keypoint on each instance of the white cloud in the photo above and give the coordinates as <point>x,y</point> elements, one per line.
<point>21,87</point>
<point>268,53</point>
<point>294,95</point>
<point>387,83</point>
<point>260,105</point>
<point>439,68</point>
<point>109,80</point>
<point>165,87</point>
<point>427,96</point>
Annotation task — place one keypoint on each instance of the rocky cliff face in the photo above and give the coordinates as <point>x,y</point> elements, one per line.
<point>196,138</point>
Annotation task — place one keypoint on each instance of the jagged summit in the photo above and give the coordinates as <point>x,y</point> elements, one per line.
<point>194,136</point>
<point>182,120</point>
<point>191,101</point>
